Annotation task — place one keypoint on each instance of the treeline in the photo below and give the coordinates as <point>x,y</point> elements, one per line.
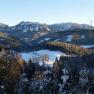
<point>73,75</point>
<point>78,62</point>
<point>80,71</point>
<point>11,67</point>
<point>74,49</point>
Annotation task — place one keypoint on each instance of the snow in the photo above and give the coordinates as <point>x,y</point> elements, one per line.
<point>25,79</point>
<point>65,71</point>
<point>56,40</point>
<point>69,38</point>
<point>83,81</point>
<point>50,62</point>
<point>41,87</point>
<point>26,38</point>
<point>64,78</point>
<point>42,34</point>
<point>2,86</point>
<point>83,36</point>
<point>31,29</point>
<point>51,55</point>
<point>47,29</point>
<point>40,41</point>
<point>87,46</point>
<point>36,28</point>
<point>61,87</point>
<point>1,39</point>
<point>25,30</point>
<point>47,39</point>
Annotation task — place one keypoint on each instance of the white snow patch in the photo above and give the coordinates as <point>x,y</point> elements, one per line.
<point>26,38</point>
<point>87,46</point>
<point>42,34</point>
<point>56,40</point>
<point>31,29</point>
<point>47,29</point>
<point>36,28</point>
<point>41,87</point>
<point>83,36</point>
<point>50,62</point>
<point>51,55</point>
<point>64,78</point>
<point>69,38</point>
<point>2,86</point>
<point>47,39</point>
<point>41,41</point>
<point>25,30</point>
<point>1,39</point>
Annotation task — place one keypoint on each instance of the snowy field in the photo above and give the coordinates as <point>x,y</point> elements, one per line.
<point>87,46</point>
<point>51,54</point>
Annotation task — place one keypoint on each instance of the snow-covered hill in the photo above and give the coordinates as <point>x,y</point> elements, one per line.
<point>30,27</point>
<point>69,26</point>
<point>37,33</point>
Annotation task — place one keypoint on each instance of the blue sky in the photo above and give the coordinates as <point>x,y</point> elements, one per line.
<point>46,11</point>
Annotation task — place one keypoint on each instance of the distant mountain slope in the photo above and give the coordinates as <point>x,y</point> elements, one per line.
<point>33,33</point>
<point>69,26</point>
<point>8,41</point>
<point>33,30</point>
<point>11,42</point>
<point>79,37</point>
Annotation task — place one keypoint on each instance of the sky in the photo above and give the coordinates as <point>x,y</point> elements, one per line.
<point>13,12</point>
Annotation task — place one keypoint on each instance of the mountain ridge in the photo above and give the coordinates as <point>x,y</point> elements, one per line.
<point>33,33</point>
